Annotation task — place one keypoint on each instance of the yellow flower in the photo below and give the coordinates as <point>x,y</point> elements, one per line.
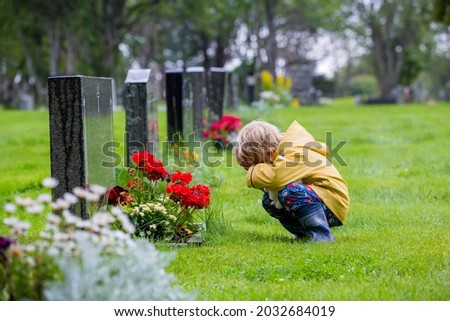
<point>266,80</point>
<point>288,83</point>
<point>16,251</point>
<point>295,103</point>
<point>191,155</point>
<point>281,80</point>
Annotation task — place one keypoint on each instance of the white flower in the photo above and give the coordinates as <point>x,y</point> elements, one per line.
<point>9,208</point>
<point>84,224</point>
<point>11,221</point>
<point>60,204</point>
<point>127,226</point>
<point>29,248</point>
<point>102,219</point>
<point>44,198</point>
<point>124,220</point>
<point>69,218</point>
<point>266,94</point>
<point>70,246</point>
<point>69,197</point>
<point>50,182</point>
<point>25,202</point>
<point>45,235</point>
<point>119,235</point>
<point>19,228</point>
<point>116,211</point>
<point>30,261</point>
<point>60,238</point>
<point>53,219</point>
<point>53,251</point>
<point>80,192</point>
<point>91,197</point>
<point>97,189</point>
<point>35,209</point>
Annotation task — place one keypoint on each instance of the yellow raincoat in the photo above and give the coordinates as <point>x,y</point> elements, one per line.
<point>300,157</point>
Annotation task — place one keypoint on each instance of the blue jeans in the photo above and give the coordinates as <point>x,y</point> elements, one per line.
<point>303,213</point>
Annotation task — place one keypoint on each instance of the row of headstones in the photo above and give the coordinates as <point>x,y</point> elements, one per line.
<point>82,146</point>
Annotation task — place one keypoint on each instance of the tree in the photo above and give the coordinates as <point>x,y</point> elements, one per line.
<point>284,29</point>
<point>441,12</point>
<point>389,29</point>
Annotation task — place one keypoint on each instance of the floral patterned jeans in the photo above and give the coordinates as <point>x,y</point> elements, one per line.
<point>303,213</point>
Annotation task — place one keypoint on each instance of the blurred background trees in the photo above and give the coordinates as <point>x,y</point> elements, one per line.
<point>358,47</point>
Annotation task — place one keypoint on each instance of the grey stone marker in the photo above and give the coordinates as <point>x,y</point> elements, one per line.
<point>141,114</point>
<point>216,93</point>
<point>194,98</point>
<point>81,134</point>
<point>302,82</point>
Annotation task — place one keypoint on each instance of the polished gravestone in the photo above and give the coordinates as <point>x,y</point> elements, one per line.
<point>216,93</point>
<point>81,134</point>
<point>141,113</point>
<point>194,98</point>
<point>174,97</point>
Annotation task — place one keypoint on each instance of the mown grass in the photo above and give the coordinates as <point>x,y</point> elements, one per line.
<point>394,245</point>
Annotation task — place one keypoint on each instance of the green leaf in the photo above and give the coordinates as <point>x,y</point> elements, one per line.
<point>123,177</point>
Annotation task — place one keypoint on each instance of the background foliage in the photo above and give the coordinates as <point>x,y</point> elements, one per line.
<point>399,41</point>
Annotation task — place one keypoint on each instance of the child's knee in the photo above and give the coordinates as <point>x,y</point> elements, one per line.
<point>295,195</point>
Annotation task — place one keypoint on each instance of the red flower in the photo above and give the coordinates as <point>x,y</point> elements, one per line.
<point>155,170</point>
<point>142,157</point>
<point>231,122</point>
<point>118,195</point>
<point>222,128</point>
<point>177,192</point>
<point>181,178</point>
<point>198,197</point>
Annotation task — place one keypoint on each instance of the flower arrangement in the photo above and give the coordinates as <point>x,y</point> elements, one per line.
<point>75,259</point>
<point>225,130</point>
<point>161,204</point>
<point>277,93</point>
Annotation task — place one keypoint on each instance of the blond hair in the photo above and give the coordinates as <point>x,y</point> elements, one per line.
<point>255,142</point>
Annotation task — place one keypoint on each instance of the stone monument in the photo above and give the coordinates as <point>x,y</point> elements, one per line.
<point>141,128</point>
<point>216,92</point>
<point>81,133</point>
<point>174,97</point>
<point>194,97</point>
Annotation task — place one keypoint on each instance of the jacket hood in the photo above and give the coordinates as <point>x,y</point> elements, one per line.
<point>295,137</point>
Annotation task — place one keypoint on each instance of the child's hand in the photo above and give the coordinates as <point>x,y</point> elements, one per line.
<point>273,195</point>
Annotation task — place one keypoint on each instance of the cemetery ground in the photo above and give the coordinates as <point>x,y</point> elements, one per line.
<point>394,245</point>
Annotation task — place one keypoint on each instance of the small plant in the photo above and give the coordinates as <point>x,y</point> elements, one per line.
<point>76,259</point>
<point>161,204</point>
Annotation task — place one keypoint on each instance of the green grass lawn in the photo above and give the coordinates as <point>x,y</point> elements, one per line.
<point>394,246</point>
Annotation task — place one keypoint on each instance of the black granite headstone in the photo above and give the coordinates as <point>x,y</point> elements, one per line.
<point>81,129</point>
<point>216,93</point>
<point>174,97</point>
<point>194,102</point>
<point>141,113</point>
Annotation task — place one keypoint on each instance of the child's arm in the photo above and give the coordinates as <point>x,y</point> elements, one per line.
<point>274,177</point>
